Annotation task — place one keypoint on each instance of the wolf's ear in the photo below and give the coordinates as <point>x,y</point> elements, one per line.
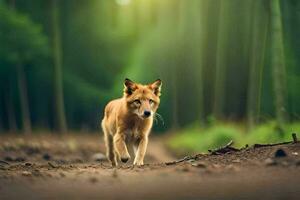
<point>156,87</point>
<point>129,86</point>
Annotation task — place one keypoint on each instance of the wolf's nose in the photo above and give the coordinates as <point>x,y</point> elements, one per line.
<point>147,113</point>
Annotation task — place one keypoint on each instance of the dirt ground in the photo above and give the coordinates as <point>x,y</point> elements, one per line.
<point>74,167</point>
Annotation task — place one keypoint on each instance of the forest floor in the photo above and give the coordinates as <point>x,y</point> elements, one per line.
<point>74,167</point>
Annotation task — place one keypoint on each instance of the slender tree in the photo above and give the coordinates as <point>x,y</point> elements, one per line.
<point>197,58</point>
<point>174,106</point>
<point>22,86</point>
<point>21,42</point>
<point>190,49</point>
<point>259,29</point>
<point>278,65</point>
<point>1,123</point>
<point>219,87</point>
<point>10,110</point>
<point>210,12</point>
<point>163,21</point>
<point>57,56</point>
<point>1,117</point>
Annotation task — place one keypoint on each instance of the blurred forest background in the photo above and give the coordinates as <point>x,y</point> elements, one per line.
<point>230,68</point>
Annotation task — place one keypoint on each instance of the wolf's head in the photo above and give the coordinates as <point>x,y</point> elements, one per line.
<point>142,100</point>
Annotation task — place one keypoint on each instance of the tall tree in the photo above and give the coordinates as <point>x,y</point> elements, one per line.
<point>21,42</point>
<point>278,65</point>
<point>197,58</point>
<point>10,109</point>
<point>170,65</point>
<point>23,94</point>
<point>259,30</point>
<point>57,56</point>
<point>210,13</point>
<point>1,117</point>
<point>221,61</point>
<point>22,86</point>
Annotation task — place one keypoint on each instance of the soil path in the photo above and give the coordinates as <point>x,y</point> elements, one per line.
<point>158,151</point>
<point>71,167</point>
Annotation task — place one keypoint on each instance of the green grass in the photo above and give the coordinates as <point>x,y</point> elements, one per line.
<point>195,139</point>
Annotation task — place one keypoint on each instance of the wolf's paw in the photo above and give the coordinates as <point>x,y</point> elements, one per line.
<point>114,164</point>
<point>138,163</point>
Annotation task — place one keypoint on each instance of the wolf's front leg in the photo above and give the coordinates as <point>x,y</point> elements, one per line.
<point>120,147</point>
<point>141,151</point>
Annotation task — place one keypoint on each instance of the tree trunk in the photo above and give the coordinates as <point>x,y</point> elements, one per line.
<point>210,13</point>
<point>164,19</point>
<point>257,53</point>
<point>197,54</point>
<point>1,124</point>
<point>278,65</point>
<point>219,89</point>
<point>23,95</point>
<point>58,83</point>
<point>10,111</point>
<point>1,118</point>
<point>174,125</point>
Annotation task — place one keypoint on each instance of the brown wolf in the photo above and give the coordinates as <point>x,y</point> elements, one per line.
<point>128,120</point>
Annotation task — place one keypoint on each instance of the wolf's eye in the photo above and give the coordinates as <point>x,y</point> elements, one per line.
<point>138,102</point>
<point>151,101</point>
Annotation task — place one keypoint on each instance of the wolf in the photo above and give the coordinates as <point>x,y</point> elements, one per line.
<point>128,121</point>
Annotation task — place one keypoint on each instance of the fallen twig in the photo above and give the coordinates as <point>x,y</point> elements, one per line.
<point>225,149</point>
<point>51,165</point>
<point>294,136</point>
<point>270,145</point>
<point>186,158</point>
<point>4,162</point>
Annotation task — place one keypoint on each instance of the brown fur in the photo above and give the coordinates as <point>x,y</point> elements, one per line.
<point>125,122</point>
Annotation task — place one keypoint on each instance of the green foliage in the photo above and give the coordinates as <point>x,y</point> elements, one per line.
<point>21,40</point>
<point>195,139</point>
